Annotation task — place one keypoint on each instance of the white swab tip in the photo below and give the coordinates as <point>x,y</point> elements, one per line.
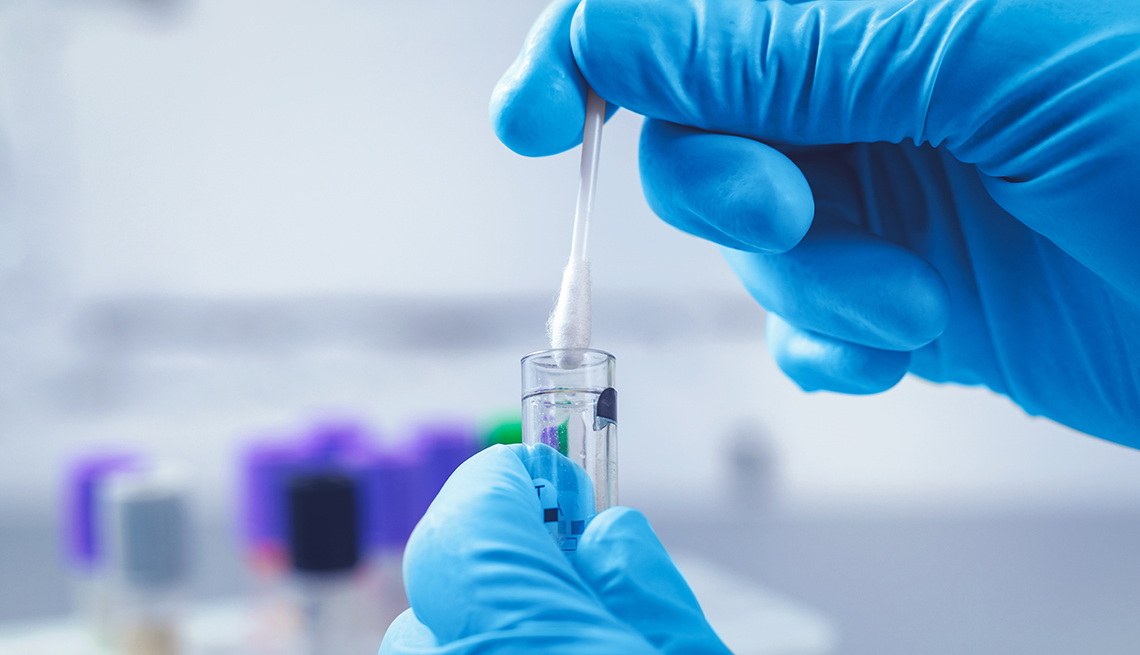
<point>569,326</point>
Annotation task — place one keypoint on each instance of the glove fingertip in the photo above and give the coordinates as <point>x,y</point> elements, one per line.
<point>405,634</point>
<point>624,562</point>
<point>819,363</point>
<point>619,517</point>
<point>618,543</point>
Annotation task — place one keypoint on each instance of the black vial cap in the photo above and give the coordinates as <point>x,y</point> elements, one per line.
<point>323,530</point>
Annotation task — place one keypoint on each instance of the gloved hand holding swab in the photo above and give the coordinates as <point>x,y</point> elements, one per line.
<point>570,322</point>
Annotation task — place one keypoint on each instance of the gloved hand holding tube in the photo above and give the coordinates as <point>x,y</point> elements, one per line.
<point>483,575</point>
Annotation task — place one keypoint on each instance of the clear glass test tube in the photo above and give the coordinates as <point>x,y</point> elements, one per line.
<point>572,411</point>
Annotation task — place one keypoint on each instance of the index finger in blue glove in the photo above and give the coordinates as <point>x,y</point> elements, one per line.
<point>483,574</point>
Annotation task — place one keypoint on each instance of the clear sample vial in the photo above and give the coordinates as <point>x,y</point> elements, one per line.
<point>149,537</point>
<point>573,412</point>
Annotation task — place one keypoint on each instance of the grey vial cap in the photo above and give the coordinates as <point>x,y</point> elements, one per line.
<point>150,530</point>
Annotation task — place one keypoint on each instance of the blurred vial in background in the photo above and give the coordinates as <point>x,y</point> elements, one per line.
<point>402,483</point>
<point>752,473</point>
<point>392,485</point>
<point>268,468</point>
<point>265,467</point>
<point>265,470</point>
<point>84,538</point>
<point>394,490</point>
<point>148,534</point>
<point>324,546</point>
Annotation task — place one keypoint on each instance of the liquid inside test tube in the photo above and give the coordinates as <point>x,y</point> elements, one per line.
<point>572,412</point>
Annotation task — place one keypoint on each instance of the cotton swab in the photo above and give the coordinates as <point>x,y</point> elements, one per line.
<point>569,326</point>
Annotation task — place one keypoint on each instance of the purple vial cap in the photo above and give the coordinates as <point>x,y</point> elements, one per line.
<point>265,467</point>
<point>393,485</point>
<point>443,447</point>
<point>81,521</point>
<point>337,442</point>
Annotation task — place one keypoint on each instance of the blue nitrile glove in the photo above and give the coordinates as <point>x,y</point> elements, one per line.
<point>484,576</point>
<point>1003,250</point>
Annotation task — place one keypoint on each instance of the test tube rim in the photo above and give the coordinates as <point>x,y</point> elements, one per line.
<point>538,366</point>
<point>605,355</point>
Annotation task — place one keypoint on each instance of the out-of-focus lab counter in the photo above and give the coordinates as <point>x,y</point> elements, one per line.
<point>750,619</point>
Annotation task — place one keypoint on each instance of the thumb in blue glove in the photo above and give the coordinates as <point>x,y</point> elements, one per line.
<point>946,188</point>
<point>483,575</point>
